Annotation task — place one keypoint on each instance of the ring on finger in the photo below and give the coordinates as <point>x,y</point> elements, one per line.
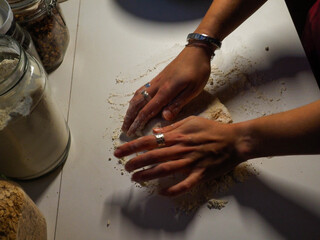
<point>147,85</point>
<point>160,140</point>
<point>146,95</point>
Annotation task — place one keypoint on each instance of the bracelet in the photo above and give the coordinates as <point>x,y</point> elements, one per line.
<point>204,38</point>
<point>206,46</point>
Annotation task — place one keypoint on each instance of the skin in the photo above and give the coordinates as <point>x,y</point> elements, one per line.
<point>199,147</point>
<point>204,148</point>
<point>184,78</point>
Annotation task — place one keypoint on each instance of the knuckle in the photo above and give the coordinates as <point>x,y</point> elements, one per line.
<point>142,115</point>
<point>185,139</point>
<point>164,168</point>
<point>138,92</point>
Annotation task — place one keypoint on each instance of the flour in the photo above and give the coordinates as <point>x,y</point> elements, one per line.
<point>232,81</point>
<point>7,66</point>
<point>21,107</point>
<point>34,136</point>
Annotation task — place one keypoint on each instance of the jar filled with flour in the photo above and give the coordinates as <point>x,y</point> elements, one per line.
<point>34,137</point>
<point>9,27</point>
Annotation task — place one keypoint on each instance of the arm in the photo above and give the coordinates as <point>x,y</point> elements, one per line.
<point>184,78</point>
<point>224,16</point>
<point>205,148</point>
<point>288,133</point>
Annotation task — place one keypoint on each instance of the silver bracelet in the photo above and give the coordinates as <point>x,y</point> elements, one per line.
<point>205,38</point>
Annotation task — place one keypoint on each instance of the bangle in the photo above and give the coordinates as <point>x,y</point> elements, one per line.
<point>205,38</point>
<point>206,46</point>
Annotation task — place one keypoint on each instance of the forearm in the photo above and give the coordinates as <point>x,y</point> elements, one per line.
<point>289,133</point>
<point>224,16</point>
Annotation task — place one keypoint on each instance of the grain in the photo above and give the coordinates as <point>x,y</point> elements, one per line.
<point>49,34</point>
<point>19,216</point>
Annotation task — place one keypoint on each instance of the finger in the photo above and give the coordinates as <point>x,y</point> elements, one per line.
<point>137,145</point>
<point>171,127</point>
<point>161,170</point>
<point>136,104</point>
<point>150,142</point>
<point>193,179</point>
<point>157,156</point>
<point>173,109</point>
<point>151,109</point>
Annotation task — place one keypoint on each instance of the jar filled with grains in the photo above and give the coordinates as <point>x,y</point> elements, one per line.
<point>9,27</point>
<point>44,21</point>
<point>34,136</point>
<point>19,216</point>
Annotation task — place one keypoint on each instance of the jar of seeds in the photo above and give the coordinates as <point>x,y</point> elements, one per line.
<point>19,216</point>
<point>44,21</point>
<point>34,136</point>
<point>9,27</point>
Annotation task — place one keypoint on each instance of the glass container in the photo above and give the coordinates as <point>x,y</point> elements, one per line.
<point>34,136</point>
<point>9,27</point>
<point>44,21</point>
<point>19,216</point>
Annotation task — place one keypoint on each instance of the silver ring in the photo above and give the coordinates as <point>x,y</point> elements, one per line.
<point>146,95</point>
<point>160,140</point>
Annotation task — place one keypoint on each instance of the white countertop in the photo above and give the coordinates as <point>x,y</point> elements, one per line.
<point>108,42</point>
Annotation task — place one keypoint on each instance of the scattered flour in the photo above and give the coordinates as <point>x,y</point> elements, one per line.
<point>238,79</point>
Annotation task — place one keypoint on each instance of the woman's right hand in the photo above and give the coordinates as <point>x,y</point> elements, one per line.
<point>182,80</point>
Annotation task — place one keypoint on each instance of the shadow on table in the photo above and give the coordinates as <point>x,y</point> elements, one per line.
<point>36,187</point>
<point>288,218</point>
<point>152,212</point>
<point>284,67</point>
<point>166,10</point>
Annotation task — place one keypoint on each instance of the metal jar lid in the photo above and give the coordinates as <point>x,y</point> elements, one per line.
<point>35,8</point>
<point>6,17</point>
<point>17,4</point>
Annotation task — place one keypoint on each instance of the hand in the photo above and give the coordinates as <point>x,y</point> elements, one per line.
<point>195,145</point>
<point>174,87</point>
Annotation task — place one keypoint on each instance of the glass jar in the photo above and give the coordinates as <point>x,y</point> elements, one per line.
<point>19,216</point>
<point>34,136</point>
<point>44,21</point>
<point>9,27</point>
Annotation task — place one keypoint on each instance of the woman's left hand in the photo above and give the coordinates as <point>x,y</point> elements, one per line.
<point>198,146</point>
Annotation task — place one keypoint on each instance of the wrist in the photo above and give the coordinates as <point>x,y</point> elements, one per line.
<point>246,142</point>
<point>199,52</point>
<point>208,48</point>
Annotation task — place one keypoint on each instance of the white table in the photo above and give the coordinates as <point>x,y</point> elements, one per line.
<point>108,43</point>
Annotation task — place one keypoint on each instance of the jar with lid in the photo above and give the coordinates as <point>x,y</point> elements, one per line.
<point>34,136</point>
<point>44,21</point>
<point>9,27</point>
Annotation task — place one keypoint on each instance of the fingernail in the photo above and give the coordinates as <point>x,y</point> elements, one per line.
<point>128,168</point>
<point>135,179</point>
<point>157,129</point>
<point>167,115</point>
<point>117,153</point>
<point>124,129</point>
